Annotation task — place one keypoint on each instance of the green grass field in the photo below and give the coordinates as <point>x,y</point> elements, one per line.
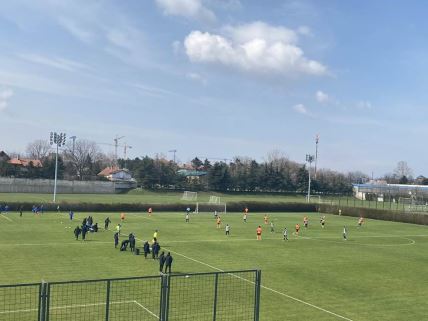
<point>378,274</point>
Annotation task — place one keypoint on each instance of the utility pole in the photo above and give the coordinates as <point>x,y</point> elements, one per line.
<point>125,148</point>
<point>59,141</point>
<point>309,159</point>
<point>317,138</point>
<point>116,144</point>
<point>173,151</point>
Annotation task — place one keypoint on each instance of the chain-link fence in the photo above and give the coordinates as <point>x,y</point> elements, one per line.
<point>221,296</point>
<point>20,302</point>
<point>399,204</point>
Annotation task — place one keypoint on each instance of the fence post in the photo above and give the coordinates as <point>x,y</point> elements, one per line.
<point>108,301</point>
<point>215,297</point>
<point>164,299</point>
<point>257,295</point>
<point>43,301</point>
<point>168,282</point>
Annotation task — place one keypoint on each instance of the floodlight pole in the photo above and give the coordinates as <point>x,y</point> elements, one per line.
<point>56,173</point>
<point>58,140</point>
<point>309,159</point>
<point>317,138</point>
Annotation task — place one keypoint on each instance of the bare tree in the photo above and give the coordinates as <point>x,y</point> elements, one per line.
<point>403,170</point>
<point>358,177</point>
<point>85,159</point>
<point>13,154</point>
<point>38,149</point>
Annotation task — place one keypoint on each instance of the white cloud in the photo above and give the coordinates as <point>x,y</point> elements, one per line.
<point>256,47</point>
<point>193,9</point>
<point>123,38</point>
<point>55,62</point>
<point>176,47</point>
<point>260,30</point>
<point>225,4</point>
<point>5,95</point>
<point>76,30</point>
<point>304,31</point>
<point>322,97</point>
<point>364,104</point>
<point>301,109</point>
<point>196,77</point>
<point>153,91</point>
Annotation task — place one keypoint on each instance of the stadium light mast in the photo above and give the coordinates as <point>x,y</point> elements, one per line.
<point>309,159</point>
<point>317,139</point>
<point>59,140</point>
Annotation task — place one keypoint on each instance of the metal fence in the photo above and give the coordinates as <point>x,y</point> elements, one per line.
<point>399,205</point>
<point>221,296</point>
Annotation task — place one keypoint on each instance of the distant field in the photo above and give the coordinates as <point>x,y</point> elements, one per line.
<point>146,197</point>
<point>139,196</point>
<point>378,274</point>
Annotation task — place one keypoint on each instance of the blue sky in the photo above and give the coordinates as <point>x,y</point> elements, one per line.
<point>221,78</point>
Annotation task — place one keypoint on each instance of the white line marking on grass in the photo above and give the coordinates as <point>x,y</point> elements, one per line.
<point>335,240</point>
<point>6,218</point>
<point>66,307</point>
<point>262,286</point>
<point>87,305</point>
<point>143,307</point>
<point>266,288</point>
<point>53,244</point>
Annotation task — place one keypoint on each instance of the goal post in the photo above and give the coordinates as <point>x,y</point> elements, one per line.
<point>214,200</point>
<point>221,208</point>
<point>406,200</point>
<point>189,196</point>
<point>314,199</point>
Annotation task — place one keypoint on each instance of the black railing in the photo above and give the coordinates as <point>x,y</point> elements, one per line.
<point>216,296</point>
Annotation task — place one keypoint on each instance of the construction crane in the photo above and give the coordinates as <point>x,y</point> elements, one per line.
<point>116,145</point>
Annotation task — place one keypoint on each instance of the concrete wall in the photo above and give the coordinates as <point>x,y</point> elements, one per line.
<point>22,185</point>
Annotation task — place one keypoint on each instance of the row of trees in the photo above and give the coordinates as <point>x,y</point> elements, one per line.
<point>82,160</point>
<point>276,174</point>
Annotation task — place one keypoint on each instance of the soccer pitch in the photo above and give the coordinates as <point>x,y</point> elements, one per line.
<point>379,273</point>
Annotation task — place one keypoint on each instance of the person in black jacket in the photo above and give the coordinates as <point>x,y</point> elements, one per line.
<point>132,242</point>
<point>161,261</point>
<point>168,262</point>
<point>146,248</point>
<point>77,232</point>
<point>155,249</point>
<point>116,239</point>
<point>84,231</point>
<point>106,223</point>
<point>124,245</point>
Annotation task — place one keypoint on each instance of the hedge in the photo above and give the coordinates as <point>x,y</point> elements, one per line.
<point>385,215</point>
<point>255,207</point>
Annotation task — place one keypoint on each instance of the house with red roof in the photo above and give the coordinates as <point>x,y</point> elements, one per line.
<point>116,174</point>
<point>25,162</point>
